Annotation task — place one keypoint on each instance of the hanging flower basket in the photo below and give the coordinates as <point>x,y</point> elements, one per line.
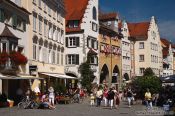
<point>3,57</point>
<point>17,58</point>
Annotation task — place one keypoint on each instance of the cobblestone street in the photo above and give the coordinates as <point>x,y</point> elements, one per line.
<point>77,110</point>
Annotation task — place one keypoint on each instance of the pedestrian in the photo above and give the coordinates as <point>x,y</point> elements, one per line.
<point>99,96</point>
<point>148,99</point>
<point>51,95</point>
<point>129,97</point>
<point>92,99</point>
<point>105,96</point>
<point>111,95</point>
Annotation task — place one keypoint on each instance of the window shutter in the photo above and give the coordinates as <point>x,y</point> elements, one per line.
<point>97,44</point>
<point>66,41</point>
<point>87,42</point>
<point>14,21</point>
<point>97,60</point>
<point>78,41</point>
<point>24,25</point>
<point>77,59</point>
<point>1,15</point>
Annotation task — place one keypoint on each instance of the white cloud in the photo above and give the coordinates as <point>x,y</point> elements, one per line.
<point>167,30</point>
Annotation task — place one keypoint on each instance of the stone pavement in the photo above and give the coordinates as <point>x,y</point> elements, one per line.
<point>82,109</point>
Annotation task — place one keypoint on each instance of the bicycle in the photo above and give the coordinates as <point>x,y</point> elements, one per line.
<point>28,103</point>
<point>24,103</point>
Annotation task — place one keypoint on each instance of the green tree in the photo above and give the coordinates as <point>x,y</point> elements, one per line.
<point>87,75</point>
<point>148,80</point>
<point>148,72</point>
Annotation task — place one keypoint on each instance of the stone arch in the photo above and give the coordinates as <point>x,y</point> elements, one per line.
<point>116,74</point>
<point>104,75</point>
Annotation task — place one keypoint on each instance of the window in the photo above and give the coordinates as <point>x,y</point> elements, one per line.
<point>72,42</point>
<point>73,24</point>
<point>141,45</point>
<point>49,11</point>
<point>39,3</point>
<point>34,22</point>
<point>58,58</point>
<point>109,23</point>
<point>34,52</point>
<point>73,59</point>
<point>94,60</point>
<point>94,13</point>
<point>141,58</point>
<point>45,54</point>
<point>62,59</point>
<point>14,20</point>
<point>94,26</point>
<point>53,57</point>
<point>45,28</point>
<point>115,23</point>
<point>45,5</point>
<point>142,70</point>
<point>4,47</point>
<point>40,25</point>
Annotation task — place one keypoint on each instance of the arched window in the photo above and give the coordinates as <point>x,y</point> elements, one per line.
<point>94,13</point>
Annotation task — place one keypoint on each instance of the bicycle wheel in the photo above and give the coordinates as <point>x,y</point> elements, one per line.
<point>22,105</point>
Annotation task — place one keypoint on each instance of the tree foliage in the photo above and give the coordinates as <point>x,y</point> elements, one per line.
<point>148,80</point>
<point>86,75</point>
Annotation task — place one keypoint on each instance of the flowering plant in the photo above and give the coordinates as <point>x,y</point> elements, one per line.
<point>17,58</point>
<point>3,57</point>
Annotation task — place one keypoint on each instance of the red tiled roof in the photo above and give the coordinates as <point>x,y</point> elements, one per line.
<point>107,16</point>
<point>139,29</point>
<point>165,42</point>
<point>75,9</point>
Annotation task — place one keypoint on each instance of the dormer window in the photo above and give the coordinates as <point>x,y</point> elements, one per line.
<point>73,24</point>
<point>109,23</point>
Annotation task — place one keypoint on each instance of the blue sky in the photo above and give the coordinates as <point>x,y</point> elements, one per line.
<point>142,10</point>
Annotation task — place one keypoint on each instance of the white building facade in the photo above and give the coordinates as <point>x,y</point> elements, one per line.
<point>147,47</point>
<point>126,52</point>
<point>81,37</point>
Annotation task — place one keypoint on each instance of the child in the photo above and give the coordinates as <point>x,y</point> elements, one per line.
<point>92,98</point>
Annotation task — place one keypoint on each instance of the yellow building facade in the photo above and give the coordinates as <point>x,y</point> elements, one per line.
<point>109,57</point>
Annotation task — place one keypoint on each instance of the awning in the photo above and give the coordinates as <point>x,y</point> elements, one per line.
<point>18,77</point>
<point>57,75</point>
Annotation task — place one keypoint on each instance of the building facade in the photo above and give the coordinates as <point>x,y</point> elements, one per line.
<point>81,35</point>
<point>126,51</point>
<point>147,46</point>
<point>14,23</point>
<point>168,58</point>
<point>46,39</point>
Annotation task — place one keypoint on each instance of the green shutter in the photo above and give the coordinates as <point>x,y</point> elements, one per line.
<point>24,25</point>
<point>67,41</point>
<point>77,59</point>
<point>1,15</point>
<point>14,21</point>
<point>77,41</point>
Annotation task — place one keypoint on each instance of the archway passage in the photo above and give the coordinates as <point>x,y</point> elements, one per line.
<point>115,75</point>
<point>104,74</point>
<point>126,76</point>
